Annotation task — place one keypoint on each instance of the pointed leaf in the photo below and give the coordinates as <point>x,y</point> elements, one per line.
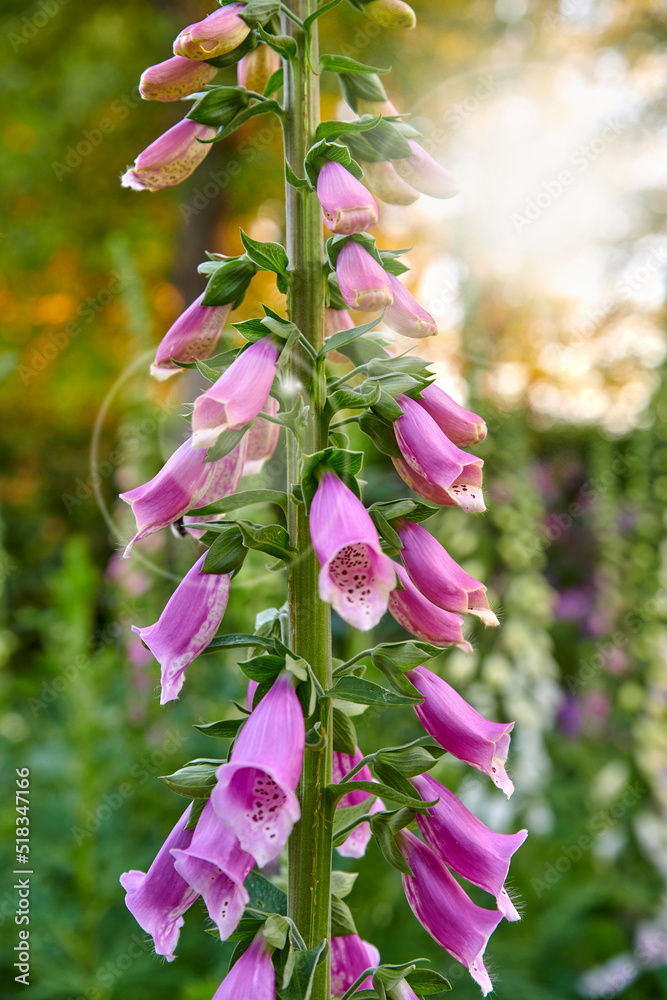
<point>342,921</point>
<point>268,256</point>
<point>226,729</point>
<point>343,64</point>
<point>381,433</point>
<point>383,791</point>
<point>332,129</point>
<point>342,883</point>
<point>301,981</point>
<point>270,538</point>
<point>338,340</point>
<point>275,81</point>
<point>227,553</point>
<point>363,692</point>
<point>275,931</point>
<point>262,668</point>
<point>346,465</point>
<point>245,499</point>
<point>241,639</point>
<point>194,780</point>
<point>258,12</point>
<point>344,733</point>
<point>385,841</point>
<point>264,895</point>
<point>225,444</point>
<point>261,108</point>
<point>427,982</point>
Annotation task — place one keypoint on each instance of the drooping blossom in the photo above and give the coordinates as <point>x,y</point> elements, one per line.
<point>195,334</point>
<point>406,316</point>
<point>438,577</point>
<point>252,977</point>
<point>255,69</point>
<point>386,184</point>
<point>174,78</point>
<point>158,898</point>
<point>355,845</point>
<point>356,577</point>
<point>185,481</point>
<point>347,206</point>
<point>425,174</point>
<point>391,13</point>
<point>363,283</point>
<point>238,395</point>
<point>171,158</point>
<point>217,34</point>
<point>424,619</point>
<point>262,439</point>
<point>254,794</point>
<point>336,320</point>
<point>189,621</point>
<point>428,454</point>
<point>461,426</point>
<point>215,866</point>
<point>350,956</point>
<point>444,910</point>
<point>464,843</point>
<point>460,729</point>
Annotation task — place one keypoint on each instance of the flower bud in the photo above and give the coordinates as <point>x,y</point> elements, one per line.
<point>174,78</point>
<point>386,183</point>
<point>406,316</point>
<point>195,334</point>
<point>217,34</point>
<point>391,13</point>
<point>461,426</point>
<point>256,68</point>
<point>170,159</point>
<point>424,174</point>
<point>363,283</point>
<point>347,206</point>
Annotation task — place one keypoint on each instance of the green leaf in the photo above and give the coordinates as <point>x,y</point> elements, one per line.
<point>217,107</point>
<point>300,985</point>
<point>407,655</point>
<point>346,816</point>
<point>388,141</point>
<point>343,64</point>
<point>387,408</point>
<point>236,639</point>
<point>392,777</point>
<point>395,676</point>
<point>361,87</point>
<point>344,733</point>
<point>196,810</point>
<point>363,350</point>
<point>270,538</point>
<point>385,792</point>
<point>360,398</point>
<point>225,443</point>
<point>363,692</point>
<point>194,780</point>
<point>275,930</point>
<point>385,530</point>
<point>225,729</point>
<point>392,265</point>
<point>212,374</point>
<point>388,976</point>
<point>342,883</point>
<point>346,465</point>
<point>300,183</point>
<point>264,895</point>
<point>284,45</point>
<point>267,256</point>
<point>275,81</point>
<point>344,337</point>
<point>384,836</point>
<point>227,553</point>
<point>229,281</point>
<point>342,921</point>
<point>427,982</point>
<point>322,151</point>
<point>262,668</point>
<point>414,510</point>
<point>323,9</point>
<point>247,498</point>
<point>332,128</point>
<point>258,12</point>
<point>261,108</point>
<point>335,244</point>
<point>381,434</point>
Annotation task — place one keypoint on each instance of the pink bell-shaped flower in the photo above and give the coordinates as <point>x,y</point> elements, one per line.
<point>429,455</point>
<point>254,794</point>
<point>195,334</point>
<point>386,184</point>
<point>174,78</point>
<point>350,956</point>
<point>215,866</point>
<point>460,729</point>
<point>424,619</point>
<point>362,282</point>
<point>216,35</point>
<point>189,621</point>
<point>262,439</point>
<point>464,843</point>
<point>438,577</point>
<point>158,898</point>
<point>356,577</point>
<point>406,316</point>
<point>171,158</point>
<point>444,910</point>
<point>347,206</point>
<point>256,68</point>
<point>424,174</point>
<point>185,481</point>
<point>252,977</point>
<point>355,845</point>
<point>461,426</point>
<point>238,395</point>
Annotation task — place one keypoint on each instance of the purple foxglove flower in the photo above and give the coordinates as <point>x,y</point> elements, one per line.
<point>386,183</point>
<point>336,320</point>
<point>363,283</point>
<point>256,68</point>
<point>402,991</point>
<point>195,334</point>
<point>217,34</point>
<point>252,977</point>
<point>461,426</point>
<point>427,621</point>
<point>262,440</point>
<point>350,956</point>
<point>171,158</point>
<point>438,577</point>
<point>186,480</point>
<point>444,910</point>
<point>189,621</point>
<point>255,790</point>
<point>158,898</point>
<point>238,395</point>
<point>391,13</point>
<point>347,206</point>
<point>356,576</point>
<point>430,454</point>
<point>464,843</point>
<point>355,845</point>
<point>406,316</point>
<point>174,78</point>
<point>215,866</point>
<point>424,174</point>
<point>460,729</point>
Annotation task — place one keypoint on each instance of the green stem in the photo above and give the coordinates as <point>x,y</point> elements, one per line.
<point>310,624</point>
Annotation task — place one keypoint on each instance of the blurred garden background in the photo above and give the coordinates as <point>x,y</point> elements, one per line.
<point>547,278</point>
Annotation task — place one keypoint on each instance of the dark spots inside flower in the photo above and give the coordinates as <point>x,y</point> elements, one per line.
<point>351,571</point>
<point>266,803</point>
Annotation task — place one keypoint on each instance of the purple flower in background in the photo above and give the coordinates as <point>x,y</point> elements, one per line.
<point>406,316</point>
<point>262,439</point>
<point>158,898</point>
<point>195,334</point>
<point>363,283</point>
<point>356,576</point>
<point>445,911</point>
<point>252,977</point>
<point>350,956</point>
<point>424,174</point>
<point>336,320</point>
<point>438,577</point>
<point>238,395</point>
<point>464,843</point>
<point>429,455</point>
<point>189,621</point>
<point>186,480</point>
<point>174,78</point>
<point>355,845</point>
<point>387,185</point>
<point>215,867</point>
<point>171,158</point>
<point>460,729</point>
<point>347,206</point>
<point>256,68</point>
<point>425,620</point>
<point>255,790</point>
<point>461,426</point>
<point>217,34</point>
